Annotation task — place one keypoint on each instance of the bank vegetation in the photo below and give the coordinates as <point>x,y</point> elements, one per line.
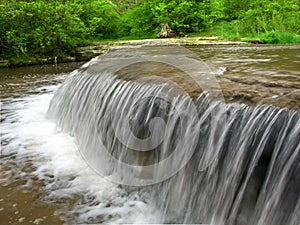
<point>35,29</point>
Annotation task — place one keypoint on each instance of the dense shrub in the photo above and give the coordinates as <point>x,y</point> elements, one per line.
<point>53,27</point>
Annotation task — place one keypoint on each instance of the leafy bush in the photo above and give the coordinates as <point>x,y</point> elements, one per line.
<point>265,16</point>
<point>46,28</point>
<point>100,18</point>
<point>139,21</point>
<point>42,28</point>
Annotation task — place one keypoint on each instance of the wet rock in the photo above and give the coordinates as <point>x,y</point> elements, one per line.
<point>282,94</point>
<point>88,52</point>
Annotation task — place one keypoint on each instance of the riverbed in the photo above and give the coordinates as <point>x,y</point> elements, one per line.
<point>43,177</point>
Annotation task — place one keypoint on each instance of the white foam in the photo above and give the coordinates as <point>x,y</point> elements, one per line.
<point>34,139</point>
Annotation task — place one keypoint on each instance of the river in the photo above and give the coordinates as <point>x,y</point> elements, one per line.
<point>43,176</point>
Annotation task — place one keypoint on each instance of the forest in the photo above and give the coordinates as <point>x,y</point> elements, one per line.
<point>39,28</point>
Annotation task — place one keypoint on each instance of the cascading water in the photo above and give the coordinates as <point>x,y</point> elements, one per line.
<point>200,161</point>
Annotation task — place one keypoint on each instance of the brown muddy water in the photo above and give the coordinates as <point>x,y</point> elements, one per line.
<point>256,74</point>
<point>43,178</point>
<point>20,204</point>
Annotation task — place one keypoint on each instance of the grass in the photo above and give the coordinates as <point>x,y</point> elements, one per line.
<point>233,31</point>
<point>126,38</point>
<point>275,37</point>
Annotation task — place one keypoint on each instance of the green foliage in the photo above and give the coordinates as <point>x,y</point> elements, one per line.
<point>274,21</point>
<point>225,30</point>
<point>100,18</point>
<point>266,15</point>
<point>139,21</point>
<point>46,28</point>
<point>183,16</point>
<point>42,28</point>
<point>235,8</point>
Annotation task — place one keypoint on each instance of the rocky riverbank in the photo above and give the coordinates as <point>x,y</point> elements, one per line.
<point>98,48</point>
<point>93,49</point>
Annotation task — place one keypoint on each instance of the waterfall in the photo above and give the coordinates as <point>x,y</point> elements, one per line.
<point>201,160</point>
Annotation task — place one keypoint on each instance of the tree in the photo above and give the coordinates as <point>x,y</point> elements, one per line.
<point>52,27</point>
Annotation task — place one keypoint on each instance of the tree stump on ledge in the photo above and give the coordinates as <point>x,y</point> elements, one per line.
<point>166,31</point>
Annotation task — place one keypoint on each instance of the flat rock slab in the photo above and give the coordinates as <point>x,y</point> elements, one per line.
<point>94,49</point>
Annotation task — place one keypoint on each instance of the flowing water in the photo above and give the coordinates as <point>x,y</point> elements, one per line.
<point>89,147</point>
